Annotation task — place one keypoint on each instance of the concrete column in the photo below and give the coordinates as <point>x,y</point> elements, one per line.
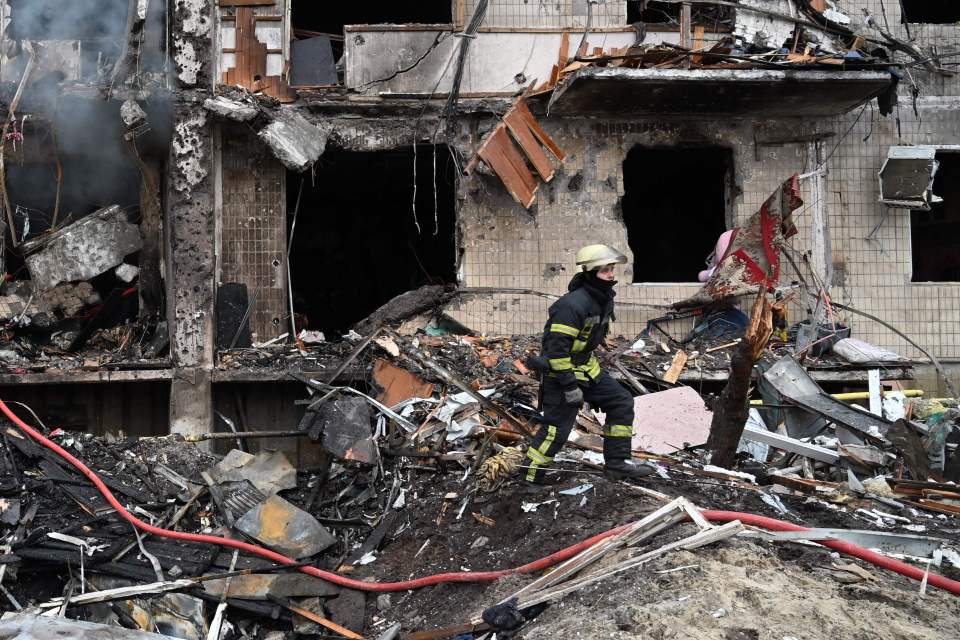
<point>821,258</point>
<point>189,219</point>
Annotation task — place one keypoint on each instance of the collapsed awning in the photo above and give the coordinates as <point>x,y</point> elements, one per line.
<point>750,93</point>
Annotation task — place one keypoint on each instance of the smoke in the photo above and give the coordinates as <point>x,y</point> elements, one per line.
<point>82,127</point>
<point>68,19</point>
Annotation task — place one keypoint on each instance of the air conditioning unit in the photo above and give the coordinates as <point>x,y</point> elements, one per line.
<point>906,179</point>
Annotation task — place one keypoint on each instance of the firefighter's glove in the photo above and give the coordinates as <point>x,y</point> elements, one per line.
<point>573,396</point>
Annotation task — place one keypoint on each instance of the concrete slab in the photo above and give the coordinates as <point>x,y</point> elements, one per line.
<point>746,93</point>
<point>664,421</point>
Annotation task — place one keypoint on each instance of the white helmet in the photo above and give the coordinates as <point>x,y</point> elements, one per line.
<point>595,256</point>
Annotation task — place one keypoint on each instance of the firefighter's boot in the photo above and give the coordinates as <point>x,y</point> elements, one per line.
<point>621,469</point>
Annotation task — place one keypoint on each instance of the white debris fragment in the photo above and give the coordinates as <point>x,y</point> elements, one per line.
<point>367,558</point>
<point>749,477</point>
<point>311,337</point>
<point>593,457</point>
<point>774,501</point>
<point>575,491</point>
<point>719,613</point>
<point>528,507</point>
<point>126,272</point>
<point>422,547</point>
<point>951,556</point>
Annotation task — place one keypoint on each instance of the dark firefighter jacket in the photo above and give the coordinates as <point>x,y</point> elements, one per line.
<point>578,322</point>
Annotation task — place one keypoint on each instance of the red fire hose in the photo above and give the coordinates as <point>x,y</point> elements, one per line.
<point>464,576</point>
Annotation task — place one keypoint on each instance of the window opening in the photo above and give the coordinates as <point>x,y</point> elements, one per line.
<point>667,14</point>
<point>930,11</point>
<point>356,245</point>
<point>675,208</point>
<point>315,24</point>
<point>934,234</point>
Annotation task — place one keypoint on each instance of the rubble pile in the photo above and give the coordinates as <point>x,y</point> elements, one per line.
<point>79,308</point>
<point>397,493</point>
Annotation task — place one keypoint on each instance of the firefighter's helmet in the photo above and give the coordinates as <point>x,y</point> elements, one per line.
<point>595,256</point>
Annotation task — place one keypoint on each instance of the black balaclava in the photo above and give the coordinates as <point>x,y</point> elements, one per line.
<point>602,290</point>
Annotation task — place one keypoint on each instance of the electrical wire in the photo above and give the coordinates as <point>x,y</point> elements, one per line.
<point>464,576</point>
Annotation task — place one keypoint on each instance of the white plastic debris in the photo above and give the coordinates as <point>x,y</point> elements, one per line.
<point>575,491</point>
<point>401,500</point>
<point>367,558</point>
<point>719,613</point>
<point>638,345</point>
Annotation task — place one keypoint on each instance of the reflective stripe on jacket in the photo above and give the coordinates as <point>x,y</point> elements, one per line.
<point>577,324</point>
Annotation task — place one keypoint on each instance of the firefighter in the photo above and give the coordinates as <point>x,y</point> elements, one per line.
<point>577,325</point>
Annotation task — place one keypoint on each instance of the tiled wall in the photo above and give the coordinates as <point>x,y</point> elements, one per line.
<point>505,247</point>
<point>874,275</point>
<point>253,232</point>
<point>556,13</point>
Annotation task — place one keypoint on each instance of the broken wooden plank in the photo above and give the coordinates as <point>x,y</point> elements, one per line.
<point>516,180</point>
<point>676,367</point>
<point>546,140</point>
<point>521,131</point>
<point>698,33</point>
<point>564,50</point>
<point>475,160</point>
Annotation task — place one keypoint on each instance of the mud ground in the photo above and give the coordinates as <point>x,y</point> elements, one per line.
<point>737,589</point>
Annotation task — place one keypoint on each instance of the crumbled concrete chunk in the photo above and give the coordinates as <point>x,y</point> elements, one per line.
<point>84,249</point>
<point>127,272</point>
<point>132,115</point>
<point>230,109</point>
<point>294,141</point>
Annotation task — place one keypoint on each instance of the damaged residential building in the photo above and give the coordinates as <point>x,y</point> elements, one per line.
<point>185,179</point>
<point>276,274</point>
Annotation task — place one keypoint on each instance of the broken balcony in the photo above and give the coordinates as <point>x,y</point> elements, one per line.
<point>711,61</point>
<point>716,92</point>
